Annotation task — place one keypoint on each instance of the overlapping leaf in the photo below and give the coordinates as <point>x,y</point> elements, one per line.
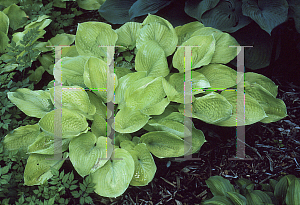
<point>44,144</point>
<point>211,108</point>
<point>72,123</point>
<point>32,103</point>
<point>76,99</point>
<point>91,35</point>
<point>88,153</point>
<point>114,177</point>
<point>160,30</point>
<point>21,137</point>
<point>37,169</point>
<point>201,55</point>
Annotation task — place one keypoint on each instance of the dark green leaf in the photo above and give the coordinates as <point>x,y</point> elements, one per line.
<point>71,177</point>
<point>74,182</point>
<point>82,187</point>
<point>61,175</point>
<point>66,185</point>
<point>81,200</point>
<point>90,190</point>
<point>65,178</point>
<point>36,191</point>
<point>75,194</point>
<point>88,200</point>
<point>72,187</point>
<point>53,187</point>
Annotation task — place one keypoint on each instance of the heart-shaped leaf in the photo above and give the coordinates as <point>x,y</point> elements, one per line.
<point>129,120</point>
<point>90,35</point>
<point>87,150</point>
<point>114,177</point>
<point>127,34</point>
<point>37,169</point>
<point>150,58</point>
<point>160,30</point>
<point>145,167</point>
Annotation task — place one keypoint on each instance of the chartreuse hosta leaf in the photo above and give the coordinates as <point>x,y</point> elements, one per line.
<point>95,77</point>
<point>129,120</point>
<point>275,108</point>
<point>150,58</point>
<point>223,53</point>
<point>37,169</point>
<point>253,110</point>
<point>124,83</point>
<point>44,144</point>
<point>163,144</point>
<point>62,39</point>
<point>160,30</point>
<point>114,177</point>
<point>198,81</point>
<point>128,145</point>
<point>99,125</point>
<point>85,150</point>
<point>76,99</point>
<point>91,35</point>
<point>185,31</point>
<point>219,76</point>
<point>70,51</point>
<point>145,167</point>
<point>42,21</point>
<point>98,103</point>
<point>72,69</point>
<point>127,34</point>
<point>201,55</point>
<point>211,108</point>
<point>174,123</point>
<point>265,82</point>
<point>32,103</point>
<point>73,123</point>
<point>147,95</point>
<point>21,137</point>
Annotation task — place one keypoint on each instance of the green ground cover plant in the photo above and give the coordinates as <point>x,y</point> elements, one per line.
<point>283,191</point>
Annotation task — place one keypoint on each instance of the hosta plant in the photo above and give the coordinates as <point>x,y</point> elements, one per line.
<point>148,97</point>
<point>284,191</point>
